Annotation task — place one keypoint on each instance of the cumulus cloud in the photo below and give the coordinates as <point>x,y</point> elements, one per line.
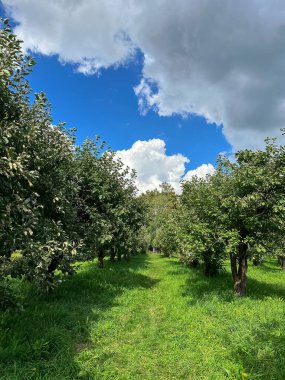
<point>153,165</point>
<point>90,34</point>
<point>223,60</point>
<point>201,172</point>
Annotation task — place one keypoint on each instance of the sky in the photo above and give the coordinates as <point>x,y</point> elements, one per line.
<point>169,85</point>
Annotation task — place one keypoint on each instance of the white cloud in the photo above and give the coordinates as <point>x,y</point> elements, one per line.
<point>90,34</point>
<point>224,59</point>
<point>201,172</point>
<point>153,165</point>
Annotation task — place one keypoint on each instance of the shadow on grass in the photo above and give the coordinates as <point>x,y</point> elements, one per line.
<point>258,347</point>
<point>270,266</point>
<point>132,262</point>
<point>42,341</point>
<point>199,286</point>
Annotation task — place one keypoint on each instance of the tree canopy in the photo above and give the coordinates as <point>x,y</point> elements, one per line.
<point>59,202</point>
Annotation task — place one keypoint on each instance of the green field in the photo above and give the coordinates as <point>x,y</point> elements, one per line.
<point>149,318</point>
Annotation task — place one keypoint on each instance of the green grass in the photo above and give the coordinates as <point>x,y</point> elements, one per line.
<point>149,318</point>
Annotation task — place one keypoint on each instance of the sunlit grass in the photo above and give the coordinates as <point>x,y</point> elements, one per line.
<point>149,318</point>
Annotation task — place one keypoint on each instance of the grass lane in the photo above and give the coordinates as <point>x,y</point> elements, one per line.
<point>149,318</point>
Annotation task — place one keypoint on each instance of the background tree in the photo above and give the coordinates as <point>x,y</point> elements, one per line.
<point>160,205</point>
<point>238,211</point>
<point>252,204</point>
<point>108,212</point>
<point>201,233</point>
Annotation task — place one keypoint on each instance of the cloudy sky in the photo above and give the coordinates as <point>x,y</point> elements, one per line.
<point>168,84</point>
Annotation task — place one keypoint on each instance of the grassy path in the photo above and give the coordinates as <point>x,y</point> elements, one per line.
<point>150,318</point>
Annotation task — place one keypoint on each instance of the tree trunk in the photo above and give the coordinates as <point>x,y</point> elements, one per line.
<point>194,263</point>
<point>100,260</point>
<point>255,262</point>
<point>211,268</point>
<point>239,270</point>
<point>127,255</point>
<point>240,280</point>
<point>119,255</point>
<point>281,261</point>
<point>113,255</point>
<point>54,263</point>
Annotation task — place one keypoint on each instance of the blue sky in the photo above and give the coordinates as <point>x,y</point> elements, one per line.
<point>107,105</point>
<point>169,85</point>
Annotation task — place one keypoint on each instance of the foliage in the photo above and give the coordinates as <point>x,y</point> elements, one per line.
<point>238,211</point>
<point>36,165</point>
<point>160,207</point>
<point>58,203</point>
<point>109,213</point>
<point>166,237</point>
<point>202,237</point>
<point>252,204</point>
